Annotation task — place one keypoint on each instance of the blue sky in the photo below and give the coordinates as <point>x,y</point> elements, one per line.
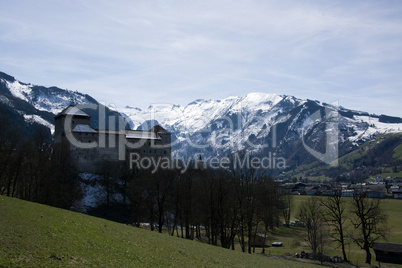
<point>142,52</point>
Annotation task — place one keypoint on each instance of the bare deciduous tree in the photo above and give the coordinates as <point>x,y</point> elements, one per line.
<point>287,204</point>
<point>369,219</point>
<point>311,213</point>
<point>335,216</point>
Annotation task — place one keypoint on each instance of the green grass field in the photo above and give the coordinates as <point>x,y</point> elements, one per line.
<point>398,152</point>
<point>34,235</point>
<point>294,242</point>
<point>293,239</point>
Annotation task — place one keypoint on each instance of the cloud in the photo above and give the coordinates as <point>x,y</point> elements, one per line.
<point>180,50</point>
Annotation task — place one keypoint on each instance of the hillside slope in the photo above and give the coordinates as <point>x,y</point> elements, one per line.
<point>379,156</point>
<point>31,108</point>
<point>34,235</point>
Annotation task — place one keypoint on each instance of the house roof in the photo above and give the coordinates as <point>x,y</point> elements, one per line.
<point>376,187</point>
<point>72,110</point>
<point>311,188</point>
<point>81,128</point>
<point>261,235</point>
<point>388,247</point>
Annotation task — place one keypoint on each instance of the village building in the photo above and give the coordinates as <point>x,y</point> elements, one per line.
<point>90,148</point>
<point>313,190</point>
<point>393,188</point>
<point>259,240</point>
<point>347,193</point>
<point>397,195</point>
<point>388,253</point>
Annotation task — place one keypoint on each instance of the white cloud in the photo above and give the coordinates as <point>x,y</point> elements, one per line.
<point>177,51</point>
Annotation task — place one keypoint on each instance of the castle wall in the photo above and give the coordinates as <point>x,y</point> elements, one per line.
<point>109,146</point>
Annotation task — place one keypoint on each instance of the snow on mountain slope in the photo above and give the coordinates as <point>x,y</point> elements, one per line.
<point>19,90</point>
<point>237,123</point>
<point>52,100</point>
<point>36,118</point>
<point>5,100</point>
<point>372,127</point>
<point>224,125</point>
<point>37,104</point>
<point>199,113</point>
<point>214,127</point>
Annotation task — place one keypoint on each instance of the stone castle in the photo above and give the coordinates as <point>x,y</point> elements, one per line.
<point>92,149</point>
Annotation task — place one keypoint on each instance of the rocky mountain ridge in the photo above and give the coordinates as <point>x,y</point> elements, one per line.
<point>259,124</point>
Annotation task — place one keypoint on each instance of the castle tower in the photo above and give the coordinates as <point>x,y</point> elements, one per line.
<point>165,140</point>
<point>77,117</point>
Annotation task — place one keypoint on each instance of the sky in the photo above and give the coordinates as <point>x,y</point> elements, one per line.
<point>142,52</point>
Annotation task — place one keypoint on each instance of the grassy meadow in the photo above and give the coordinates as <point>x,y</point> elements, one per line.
<point>294,241</point>
<point>34,235</point>
<point>293,238</point>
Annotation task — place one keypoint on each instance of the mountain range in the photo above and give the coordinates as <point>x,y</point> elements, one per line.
<point>302,132</point>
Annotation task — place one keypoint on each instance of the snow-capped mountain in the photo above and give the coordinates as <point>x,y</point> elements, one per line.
<point>258,123</point>
<point>215,125</point>
<point>51,99</point>
<point>36,106</point>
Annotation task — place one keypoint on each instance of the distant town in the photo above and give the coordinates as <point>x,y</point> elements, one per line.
<point>378,188</point>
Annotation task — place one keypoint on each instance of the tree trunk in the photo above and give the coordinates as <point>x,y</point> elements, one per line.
<point>343,246</point>
<point>368,254</point>
<point>161,218</point>
<point>174,223</point>
<point>250,231</point>
<point>242,238</point>
<point>255,233</point>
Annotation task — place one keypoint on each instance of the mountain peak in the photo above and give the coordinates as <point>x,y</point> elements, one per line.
<point>7,77</point>
<point>197,101</point>
<point>263,95</point>
<point>264,101</point>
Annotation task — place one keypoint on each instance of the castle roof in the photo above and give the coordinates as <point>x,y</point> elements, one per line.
<point>72,110</point>
<point>84,129</point>
<point>159,129</point>
<point>136,134</point>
